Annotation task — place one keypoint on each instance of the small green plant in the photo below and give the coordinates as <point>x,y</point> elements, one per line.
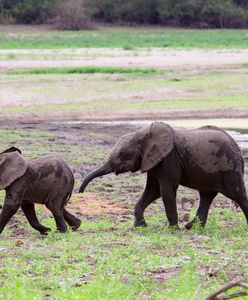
<point>90,70</point>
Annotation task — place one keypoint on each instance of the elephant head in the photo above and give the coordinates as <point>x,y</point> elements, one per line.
<point>140,150</point>
<point>12,166</point>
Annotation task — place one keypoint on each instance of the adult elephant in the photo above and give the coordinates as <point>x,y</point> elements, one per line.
<point>206,159</point>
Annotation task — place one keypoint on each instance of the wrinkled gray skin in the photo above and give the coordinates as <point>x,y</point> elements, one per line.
<point>47,180</point>
<point>206,159</point>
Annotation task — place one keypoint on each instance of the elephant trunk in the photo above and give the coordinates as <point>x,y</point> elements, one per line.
<point>103,170</point>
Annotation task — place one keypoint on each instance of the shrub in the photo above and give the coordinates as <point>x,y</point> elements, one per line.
<point>71,15</point>
<point>104,10</point>
<point>75,14</point>
<point>223,13</point>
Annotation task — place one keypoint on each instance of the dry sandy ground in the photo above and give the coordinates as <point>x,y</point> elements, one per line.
<point>155,58</point>
<point>188,60</point>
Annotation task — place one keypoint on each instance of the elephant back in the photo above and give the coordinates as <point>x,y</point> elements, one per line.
<point>210,148</point>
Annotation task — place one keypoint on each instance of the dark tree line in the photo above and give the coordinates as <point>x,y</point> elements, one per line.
<point>76,14</point>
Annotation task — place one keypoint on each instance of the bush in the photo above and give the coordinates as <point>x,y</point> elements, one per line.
<point>206,13</point>
<point>223,13</point>
<point>139,11</point>
<point>71,15</point>
<point>104,10</point>
<point>27,11</point>
<point>180,13</point>
<point>75,14</point>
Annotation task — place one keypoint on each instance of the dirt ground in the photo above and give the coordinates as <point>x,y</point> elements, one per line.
<point>154,58</point>
<point>187,61</point>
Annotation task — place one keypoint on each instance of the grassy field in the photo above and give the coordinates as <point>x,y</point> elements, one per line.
<point>112,37</point>
<point>94,90</point>
<point>107,258</point>
<point>110,260</point>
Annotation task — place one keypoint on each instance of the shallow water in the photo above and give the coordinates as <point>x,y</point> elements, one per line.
<point>237,128</point>
<point>237,123</point>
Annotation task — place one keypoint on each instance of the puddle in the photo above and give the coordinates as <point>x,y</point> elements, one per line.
<point>237,128</point>
<point>237,123</point>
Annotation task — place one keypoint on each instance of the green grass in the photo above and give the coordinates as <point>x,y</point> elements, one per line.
<point>98,92</point>
<point>107,258</point>
<point>126,38</point>
<point>34,144</point>
<point>90,70</point>
<point>110,260</point>
<point>236,101</point>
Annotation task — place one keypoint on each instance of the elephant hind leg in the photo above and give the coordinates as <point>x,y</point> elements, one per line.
<point>244,206</point>
<point>59,218</point>
<point>29,212</point>
<point>206,198</point>
<point>73,221</point>
<point>242,201</point>
<point>235,190</point>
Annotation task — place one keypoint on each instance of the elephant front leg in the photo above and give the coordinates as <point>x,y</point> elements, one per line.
<point>150,193</point>
<point>168,192</point>
<point>7,212</point>
<point>202,212</point>
<point>29,211</point>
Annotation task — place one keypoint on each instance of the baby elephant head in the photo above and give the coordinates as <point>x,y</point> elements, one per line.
<point>12,166</point>
<point>140,150</point>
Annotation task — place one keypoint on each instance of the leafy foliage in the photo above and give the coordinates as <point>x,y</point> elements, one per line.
<point>75,14</point>
<point>27,11</point>
<point>71,15</point>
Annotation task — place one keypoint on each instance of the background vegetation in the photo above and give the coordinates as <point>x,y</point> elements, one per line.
<point>76,14</point>
<point>120,37</point>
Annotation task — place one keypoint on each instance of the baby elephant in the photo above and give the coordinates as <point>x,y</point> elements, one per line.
<point>47,180</point>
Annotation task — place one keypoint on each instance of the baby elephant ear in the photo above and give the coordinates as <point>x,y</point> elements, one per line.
<point>157,145</point>
<point>12,167</point>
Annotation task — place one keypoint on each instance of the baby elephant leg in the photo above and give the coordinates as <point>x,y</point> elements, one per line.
<point>29,212</point>
<point>71,220</point>
<point>59,218</point>
<point>7,212</point>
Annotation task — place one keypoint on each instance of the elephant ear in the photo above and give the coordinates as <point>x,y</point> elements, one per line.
<point>158,143</point>
<point>12,167</point>
<point>11,149</point>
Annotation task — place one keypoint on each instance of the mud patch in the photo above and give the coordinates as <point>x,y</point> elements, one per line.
<point>90,204</point>
<point>165,274</point>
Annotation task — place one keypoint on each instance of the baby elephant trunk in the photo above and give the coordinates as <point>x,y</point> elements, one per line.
<point>103,170</point>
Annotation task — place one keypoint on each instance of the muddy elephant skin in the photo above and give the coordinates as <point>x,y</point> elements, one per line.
<point>47,180</point>
<point>206,159</point>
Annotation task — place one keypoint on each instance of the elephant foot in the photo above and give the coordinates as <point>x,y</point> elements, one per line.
<point>197,219</point>
<point>76,225</point>
<point>44,230</point>
<point>189,225</point>
<point>140,223</point>
<point>62,229</point>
